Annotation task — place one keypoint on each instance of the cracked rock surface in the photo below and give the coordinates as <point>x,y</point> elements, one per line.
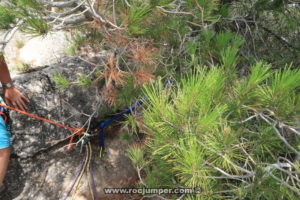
<point>40,167</point>
<point>69,106</point>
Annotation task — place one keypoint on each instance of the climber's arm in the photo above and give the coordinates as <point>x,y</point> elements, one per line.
<point>4,75</point>
<point>13,97</point>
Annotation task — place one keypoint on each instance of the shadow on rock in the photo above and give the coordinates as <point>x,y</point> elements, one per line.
<point>15,180</point>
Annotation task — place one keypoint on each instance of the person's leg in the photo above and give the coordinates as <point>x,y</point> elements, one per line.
<point>4,150</point>
<point>4,160</point>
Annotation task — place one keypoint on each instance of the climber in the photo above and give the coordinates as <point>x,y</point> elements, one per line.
<point>13,97</point>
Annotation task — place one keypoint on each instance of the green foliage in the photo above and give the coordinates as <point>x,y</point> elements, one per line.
<point>23,68</point>
<point>7,17</point>
<point>275,39</point>
<point>215,126</point>
<point>28,4</point>
<point>245,88</point>
<point>76,43</point>
<point>266,146</point>
<point>160,2</point>
<point>163,29</point>
<point>84,80</point>
<point>270,5</point>
<point>224,47</point>
<point>279,94</point>
<point>159,175</point>
<point>129,93</point>
<point>35,25</point>
<point>267,188</point>
<point>136,155</point>
<point>131,123</point>
<point>199,131</point>
<point>136,16</point>
<point>211,48</point>
<point>156,19</point>
<point>82,38</point>
<point>29,11</point>
<point>60,80</point>
<point>205,9</point>
<point>229,45</point>
<point>126,137</point>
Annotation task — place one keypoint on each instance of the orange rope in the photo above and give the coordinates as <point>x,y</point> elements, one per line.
<point>75,131</point>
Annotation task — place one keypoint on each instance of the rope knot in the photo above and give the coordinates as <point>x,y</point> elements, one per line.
<point>76,132</point>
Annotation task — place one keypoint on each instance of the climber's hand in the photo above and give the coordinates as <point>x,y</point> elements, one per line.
<point>13,97</point>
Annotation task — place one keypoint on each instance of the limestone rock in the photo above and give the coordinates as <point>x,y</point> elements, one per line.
<point>68,107</point>
<point>38,171</point>
<point>35,51</point>
<point>49,175</point>
<point>44,50</point>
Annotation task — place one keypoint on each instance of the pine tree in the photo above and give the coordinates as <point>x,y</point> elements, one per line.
<point>229,138</point>
<point>228,122</point>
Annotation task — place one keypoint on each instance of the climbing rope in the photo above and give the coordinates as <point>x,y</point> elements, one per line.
<point>85,167</point>
<point>81,131</point>
<point>86,163</point>
<point>100,130</point>
<point>75,131</point>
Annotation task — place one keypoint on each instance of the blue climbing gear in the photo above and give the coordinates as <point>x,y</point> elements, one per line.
<point>100,130</point>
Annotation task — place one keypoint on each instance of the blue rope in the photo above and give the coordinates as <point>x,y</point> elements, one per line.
<point>119,116</point>
<point>101,138</point>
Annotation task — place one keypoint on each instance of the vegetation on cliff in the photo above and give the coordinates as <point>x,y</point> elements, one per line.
<point>228,121</point>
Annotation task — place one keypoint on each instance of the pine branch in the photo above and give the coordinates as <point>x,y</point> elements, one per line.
<point>9,35</point>
<point>274,124</point>
<point>61,4</point>
<point>68,12</point>
<point>97,16</point>
<point>280,38</point>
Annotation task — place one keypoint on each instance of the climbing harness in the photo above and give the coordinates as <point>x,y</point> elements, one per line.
<point>4,113</point>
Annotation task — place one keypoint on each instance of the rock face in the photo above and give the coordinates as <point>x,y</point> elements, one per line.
<point>67,107</point>
<point>36,51</point>
<point>45,50</point>
<point>40,167</point>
